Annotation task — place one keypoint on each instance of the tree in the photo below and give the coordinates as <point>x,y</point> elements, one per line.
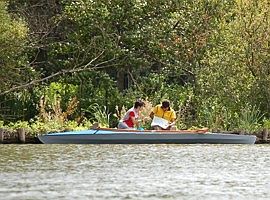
<point>13,38</point>
<point>235,73</point>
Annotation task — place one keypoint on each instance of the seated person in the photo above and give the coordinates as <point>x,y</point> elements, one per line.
<point>131,118</point>
<point>165,112</point>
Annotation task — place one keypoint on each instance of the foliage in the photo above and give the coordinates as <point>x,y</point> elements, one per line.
<point>100,115</point>
<point>145,120</point>
<point>254,24</point>
<point>54,112</point>
<point>233,72</point>
<point>214,115</point>
<point>96,87</point>
<point>119,112</point>
<point>249,119</point>
<point>35,127</point>
<point>266,123</point>
<point>13,38</point>
<point>2,124</point>
<point>19,124</point>
<point>209,58</point>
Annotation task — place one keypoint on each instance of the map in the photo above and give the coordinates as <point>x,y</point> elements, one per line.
<point>158,121</point>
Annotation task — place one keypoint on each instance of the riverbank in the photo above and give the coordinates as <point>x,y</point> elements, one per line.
<point>22,137</point>
<point>18,137</point>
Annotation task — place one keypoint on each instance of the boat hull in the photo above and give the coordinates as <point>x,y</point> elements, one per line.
<point>141,137</point>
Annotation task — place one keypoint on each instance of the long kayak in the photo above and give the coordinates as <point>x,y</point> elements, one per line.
<point>121,136</point>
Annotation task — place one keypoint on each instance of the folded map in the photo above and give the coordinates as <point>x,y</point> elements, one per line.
<point>158,121</point>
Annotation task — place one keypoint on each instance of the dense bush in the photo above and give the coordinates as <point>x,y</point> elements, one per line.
<point>210,58</point>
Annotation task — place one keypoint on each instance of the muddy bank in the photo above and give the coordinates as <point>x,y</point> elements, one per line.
<point>17,137</point>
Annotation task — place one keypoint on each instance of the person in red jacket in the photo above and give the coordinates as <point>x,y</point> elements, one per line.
<point>130,119</point>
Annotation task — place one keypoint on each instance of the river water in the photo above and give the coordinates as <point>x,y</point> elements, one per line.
<point>134,172</point>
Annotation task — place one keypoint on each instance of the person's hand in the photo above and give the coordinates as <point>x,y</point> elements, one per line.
<point>146,119</point>
<point>171,124</point>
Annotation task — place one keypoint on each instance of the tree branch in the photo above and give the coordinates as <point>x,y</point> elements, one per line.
<point>86,67</point>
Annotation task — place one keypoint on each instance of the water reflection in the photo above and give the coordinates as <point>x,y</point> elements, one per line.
<point>134,171</point>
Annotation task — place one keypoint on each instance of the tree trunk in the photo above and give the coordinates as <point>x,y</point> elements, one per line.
<point>265,134</point>
<point>21,135</point>
<point>1,135</point>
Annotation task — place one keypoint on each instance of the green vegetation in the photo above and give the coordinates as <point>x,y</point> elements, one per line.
<point>67,64</point>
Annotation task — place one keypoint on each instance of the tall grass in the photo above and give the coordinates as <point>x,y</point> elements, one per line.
<point>100,115</point>
<point>249,119</point>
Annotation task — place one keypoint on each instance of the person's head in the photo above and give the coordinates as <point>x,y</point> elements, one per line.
<point>139,104</point>
<point>165,105</point>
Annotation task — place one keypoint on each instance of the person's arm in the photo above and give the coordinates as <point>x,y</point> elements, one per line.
<point>173,119</point>
<point>152,114</point>
<point>134,121</point>
<point>172,122</point>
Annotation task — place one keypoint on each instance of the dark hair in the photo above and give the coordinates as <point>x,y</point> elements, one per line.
<point>165,104</point>
<point>139,103</point>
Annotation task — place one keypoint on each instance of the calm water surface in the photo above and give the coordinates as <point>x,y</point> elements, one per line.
<point>134,172</point>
